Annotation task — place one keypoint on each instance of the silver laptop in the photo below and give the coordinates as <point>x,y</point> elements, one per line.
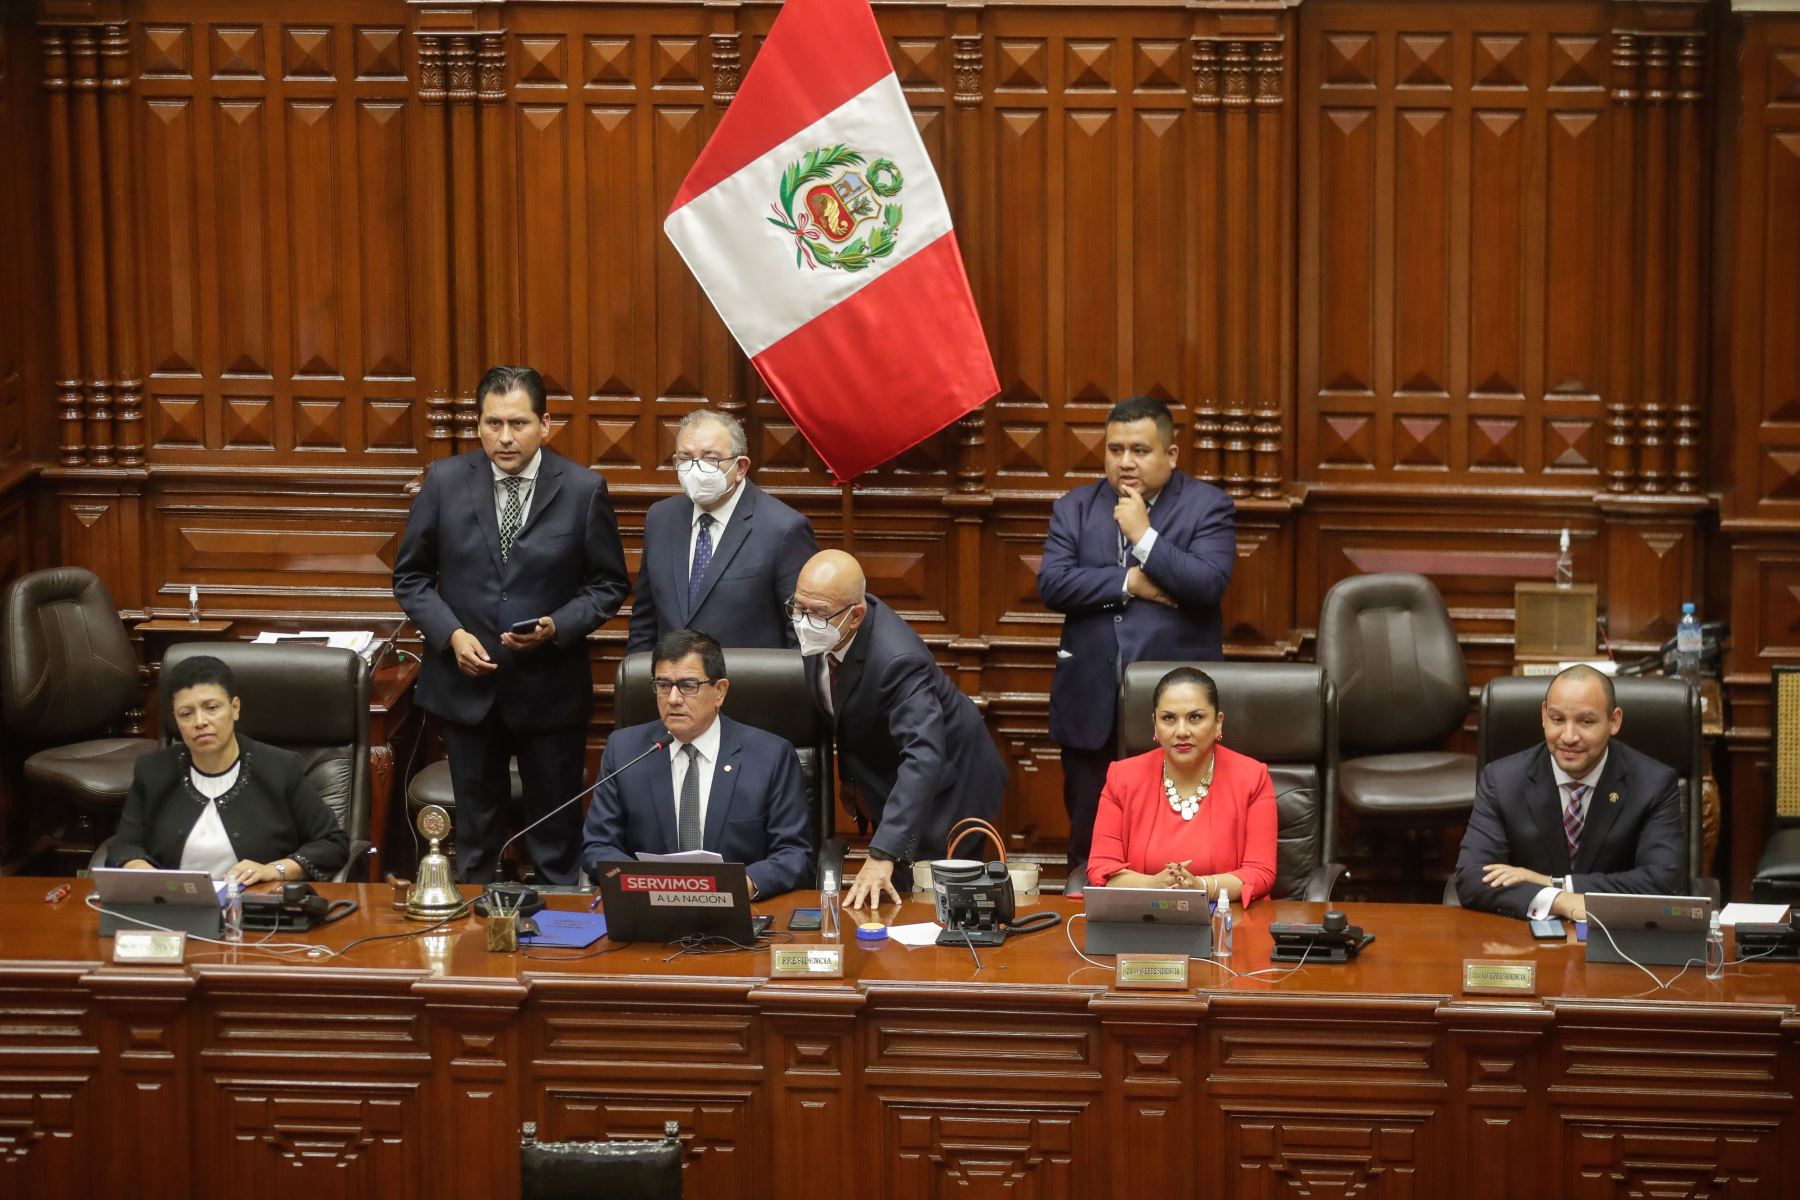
<point>184,900</point>
<point>1668,931</point>
<point>1147,920</point>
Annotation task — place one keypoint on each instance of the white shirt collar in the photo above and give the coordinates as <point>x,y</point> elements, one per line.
<point>529,474</point>
<point>721,515</point>
<point>1590,781</point>
<point>707,743</point>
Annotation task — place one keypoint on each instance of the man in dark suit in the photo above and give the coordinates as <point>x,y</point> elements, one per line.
<point>723,556</point>
<point>912,750</point>
<point>511,558</point>
<point>1137,563</point>
<point>720,785</point>
<point>1581,813</point>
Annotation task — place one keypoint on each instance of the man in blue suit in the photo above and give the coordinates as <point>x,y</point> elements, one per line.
<point>721,786</point>
<point>1580,813</point>
<point>723,556</point>
<point>1137,563</point>
<point>912,750</point>
<point>511,557</point>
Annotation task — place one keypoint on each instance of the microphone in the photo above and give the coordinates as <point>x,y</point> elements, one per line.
<point>387,645</point>
<point>660,743</point>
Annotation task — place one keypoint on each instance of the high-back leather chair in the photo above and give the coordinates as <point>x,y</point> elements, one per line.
<point>612,1170</point>
<point>1387,643</point>
<point>1662,720</point>
<point>1777,878</point>
<point>312,700</point>
<point>70,674</point>
<point>768,690</point>
<point>1284,715</point>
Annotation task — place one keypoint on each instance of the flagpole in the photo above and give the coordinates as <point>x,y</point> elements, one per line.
<point>846,518</point>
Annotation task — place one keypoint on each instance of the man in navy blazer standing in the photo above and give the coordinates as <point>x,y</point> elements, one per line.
<point>1137,563</point>
<point>511,558</point>
<point>1580,813</point>
<point>723,556</point>
<point>719,785</point>
<point>912,749</point>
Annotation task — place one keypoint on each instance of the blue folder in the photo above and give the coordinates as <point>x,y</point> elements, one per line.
<point>576,930</point>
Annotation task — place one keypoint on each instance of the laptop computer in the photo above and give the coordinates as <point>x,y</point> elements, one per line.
<point>1669,931</point>
<point>662,902</point>
<point>183,900</point>
<point>1147,920</point>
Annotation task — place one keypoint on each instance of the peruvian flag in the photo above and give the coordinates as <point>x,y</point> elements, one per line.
<point>817,226</point>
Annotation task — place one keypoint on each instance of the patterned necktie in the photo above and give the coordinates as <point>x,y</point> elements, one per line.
<point>510,514</point>
<point>702,560</point>
<point>688,834</point>
<point>1572,821</point>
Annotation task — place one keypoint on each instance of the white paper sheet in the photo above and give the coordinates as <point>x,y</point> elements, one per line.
<point>1767,914</point>
<point>923,933</point>
<point>681,856</point>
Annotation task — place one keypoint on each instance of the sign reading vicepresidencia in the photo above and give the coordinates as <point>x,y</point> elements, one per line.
<point>1499,977</point>
<point>1151,972</point>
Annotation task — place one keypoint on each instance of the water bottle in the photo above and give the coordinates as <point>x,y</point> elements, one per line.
<point>1715,948</point>
<point>1221,936</point>
<point>1565,563</point>
<point>828,908</point>
<point>1687,646</point>
<point>234,911</point>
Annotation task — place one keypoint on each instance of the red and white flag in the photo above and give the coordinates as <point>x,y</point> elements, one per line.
<point>816,225</point>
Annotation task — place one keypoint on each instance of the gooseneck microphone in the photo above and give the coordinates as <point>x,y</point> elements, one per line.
<point>660,743</point>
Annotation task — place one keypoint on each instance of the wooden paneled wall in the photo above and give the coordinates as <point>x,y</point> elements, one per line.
<point>1428,282</point>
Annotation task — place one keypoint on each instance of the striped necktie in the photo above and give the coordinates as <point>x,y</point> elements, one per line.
<point>1572,821</point>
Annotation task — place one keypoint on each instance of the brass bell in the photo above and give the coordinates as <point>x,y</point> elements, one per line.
<point>433,897</point>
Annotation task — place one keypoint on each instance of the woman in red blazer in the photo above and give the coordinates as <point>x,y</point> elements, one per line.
<point>1191,813</point>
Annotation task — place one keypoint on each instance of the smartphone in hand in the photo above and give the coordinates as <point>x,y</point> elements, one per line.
<point>524,627</point>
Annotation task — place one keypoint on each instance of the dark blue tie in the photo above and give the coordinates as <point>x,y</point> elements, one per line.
<point>702,560</point>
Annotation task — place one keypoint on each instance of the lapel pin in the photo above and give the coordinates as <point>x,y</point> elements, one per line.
<point>1611,797</point>
<point>728,771</point>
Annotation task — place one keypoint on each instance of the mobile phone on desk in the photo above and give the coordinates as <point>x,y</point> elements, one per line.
<point>804,920</point>
<point>1548,929</point>
<point>526,626</point>
<point>759,924</point>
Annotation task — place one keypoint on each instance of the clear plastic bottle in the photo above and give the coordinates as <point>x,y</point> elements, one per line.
<point>828,908</point>
<point>1565,563</point>
<point>234,911</point>
<point>1715,948</point>
<point>1687,645</point>
<point>1222,926</point>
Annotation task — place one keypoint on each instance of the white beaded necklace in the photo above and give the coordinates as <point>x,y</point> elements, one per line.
<point>1187,806</point>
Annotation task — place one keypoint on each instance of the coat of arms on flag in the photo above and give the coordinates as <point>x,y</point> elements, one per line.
<point>815,223</point>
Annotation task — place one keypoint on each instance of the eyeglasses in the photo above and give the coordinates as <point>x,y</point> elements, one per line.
<point>795,612</point>
<point>687,687</point>
<point>706,464</point>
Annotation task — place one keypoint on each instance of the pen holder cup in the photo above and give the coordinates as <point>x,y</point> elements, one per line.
<point>503,934</point>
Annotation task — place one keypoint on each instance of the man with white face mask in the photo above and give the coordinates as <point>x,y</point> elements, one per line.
<point>723,556</point>
<point>912,750</point>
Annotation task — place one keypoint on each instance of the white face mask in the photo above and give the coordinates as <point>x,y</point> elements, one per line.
<point>705,487</point>
<point>814,640</point>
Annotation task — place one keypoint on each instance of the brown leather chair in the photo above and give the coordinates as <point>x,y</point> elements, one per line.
<point>1403,688</point>
<point>1662,720</point>
<point>70,675</point>
<point>768,690</point>
<point>1285,716</point>
<point>1777,878</point>
<point>616,1170</point>
<point>312,700</point>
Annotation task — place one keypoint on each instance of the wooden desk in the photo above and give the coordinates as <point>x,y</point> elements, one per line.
<point>405,1068</point>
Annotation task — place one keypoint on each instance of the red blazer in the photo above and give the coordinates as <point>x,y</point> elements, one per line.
<point>1234,831</point>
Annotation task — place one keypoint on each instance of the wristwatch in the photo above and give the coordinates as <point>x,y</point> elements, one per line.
<point>281,871</point>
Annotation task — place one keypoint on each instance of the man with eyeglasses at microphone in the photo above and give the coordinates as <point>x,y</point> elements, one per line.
<point>723,786</point>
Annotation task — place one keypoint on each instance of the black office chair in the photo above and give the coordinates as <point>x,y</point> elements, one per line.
<point>1777,878</point>
<point>431,784</point>
<point>1662,720</point>
<point>1285,716</point>
<point>70,675</point>
<point>768,690</point>
<point>312,700</point>
<point>613,1170</point>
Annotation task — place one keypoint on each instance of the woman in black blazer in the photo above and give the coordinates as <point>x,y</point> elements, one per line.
<point>236,808</point>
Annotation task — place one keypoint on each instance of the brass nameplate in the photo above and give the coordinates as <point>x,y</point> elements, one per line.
<point>1152,972</point>
<point>148,946</point>
<point>1490,977</point>
<point>806,962</point>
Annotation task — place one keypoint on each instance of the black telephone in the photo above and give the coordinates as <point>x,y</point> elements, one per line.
<point>295,906</point>
<point>1333,940</point>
